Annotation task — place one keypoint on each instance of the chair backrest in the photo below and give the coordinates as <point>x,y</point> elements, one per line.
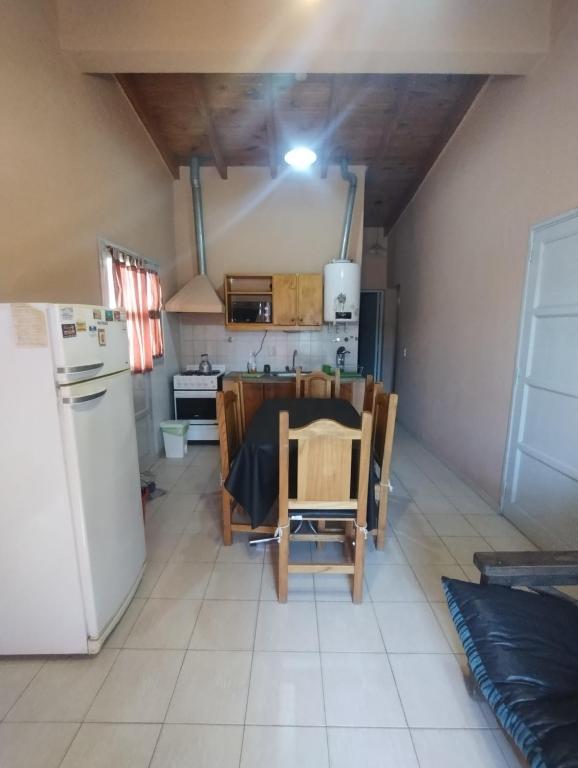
<point>368,394</point>
<point>229,421</point>
<point>384,414</point>
<point>324,465</point>
<point>250,400</point>
<point>298,383</point>
<point>319,384</point>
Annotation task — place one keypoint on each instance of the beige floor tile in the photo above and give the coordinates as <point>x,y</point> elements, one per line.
<point>360,691</point>
<point>392,554</point>
<point>410,628</point>
<point>472,573</point>
<point>437,506</point>
<point>34,745</point>
<point>286,627</point>
<point>371,748</point>
<point>285,689</point>
<point>463,548</point>
<point>138,688</point>
<point>430,579</point>
<point>335,587</point>
<point>119,634</point>
<point>492,525</point>
<point>174,514</point>
<point>153,570</point>
<point>197,548</point>
<point>235,581</point>
<point>514,542</point>
<point>433,692</point>
<point>64,689</point>
<point>442,613</point>
<point>345,627</point>
<point>472,505</point>
<point>160,545</point>
<point>301,585</point>
<point>225,625</point>
<point>199,746</point>
<point>448,748</point>
<point>183,581</point>
<point>240,551</point>
<point>194,479</point>
<point>425,550</point>
<point>15,675</point>
<point>284,747</point>
<point>164,624</point>
<point>412,524</point>
<point>102,746</point>
<point>451,525</point>
<point>299,552</point>
<point>212,688</point>
<point>393,583</point>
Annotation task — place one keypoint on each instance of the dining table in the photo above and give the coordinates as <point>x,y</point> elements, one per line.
<point>253,478</point>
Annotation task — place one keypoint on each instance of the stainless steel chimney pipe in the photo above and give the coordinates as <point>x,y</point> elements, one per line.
<point>198,216</point>
<point>347,175</point>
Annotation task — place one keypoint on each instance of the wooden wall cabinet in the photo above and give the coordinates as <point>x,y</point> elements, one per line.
<point>296,300</point>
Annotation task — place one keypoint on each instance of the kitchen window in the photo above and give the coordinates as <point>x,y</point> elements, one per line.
<point>132,283</point>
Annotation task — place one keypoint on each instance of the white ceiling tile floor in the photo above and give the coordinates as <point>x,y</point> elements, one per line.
<point>207,669</point>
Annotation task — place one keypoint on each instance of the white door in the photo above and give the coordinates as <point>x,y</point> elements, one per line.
<point>540,490</point>
<point>101,453</point>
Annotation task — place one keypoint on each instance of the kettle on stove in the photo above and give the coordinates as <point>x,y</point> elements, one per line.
<point>205,364</point>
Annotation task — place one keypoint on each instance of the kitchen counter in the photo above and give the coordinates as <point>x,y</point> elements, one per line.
<point>267,386</point>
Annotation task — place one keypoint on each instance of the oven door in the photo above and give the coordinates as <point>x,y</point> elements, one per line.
<point>196,406</point>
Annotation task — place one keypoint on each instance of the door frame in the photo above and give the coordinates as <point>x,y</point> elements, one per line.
<point>379,337</point>
<point>517,389</point>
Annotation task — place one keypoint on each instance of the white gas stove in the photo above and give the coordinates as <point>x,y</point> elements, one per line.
<point>195,396</point>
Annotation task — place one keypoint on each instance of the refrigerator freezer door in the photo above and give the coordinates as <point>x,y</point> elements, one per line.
<point>87,341</point>
<point>104,481</point>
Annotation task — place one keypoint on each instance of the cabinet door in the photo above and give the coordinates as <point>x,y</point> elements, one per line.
<point>285,299</point>
<point>310,300</point>
<point>252,394</point>
<point>284,390</point>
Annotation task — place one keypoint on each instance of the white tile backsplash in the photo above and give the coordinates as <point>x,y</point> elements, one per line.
<point>232,348</point>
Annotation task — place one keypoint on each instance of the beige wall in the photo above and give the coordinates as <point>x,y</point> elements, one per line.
<point>75,164</point>
<point>256,223</point>
<point>505,36</point>
<point>460,252</point>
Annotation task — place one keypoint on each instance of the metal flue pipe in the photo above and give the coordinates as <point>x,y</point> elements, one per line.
<point>198,215</point>
<point>347,175</point>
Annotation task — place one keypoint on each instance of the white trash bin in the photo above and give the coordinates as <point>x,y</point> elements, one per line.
<point>175,437</point>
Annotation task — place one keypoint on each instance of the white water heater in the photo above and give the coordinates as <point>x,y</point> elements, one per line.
<point>342,282</point>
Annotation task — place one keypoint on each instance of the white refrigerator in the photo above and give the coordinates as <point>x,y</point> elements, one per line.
<point>72,548</point>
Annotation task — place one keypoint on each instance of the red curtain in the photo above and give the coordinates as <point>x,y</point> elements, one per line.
<point>138,291</point>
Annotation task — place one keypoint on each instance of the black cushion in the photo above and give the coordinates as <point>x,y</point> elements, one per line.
<point>522,648</point>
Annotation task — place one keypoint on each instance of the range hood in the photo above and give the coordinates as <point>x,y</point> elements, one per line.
<point>198,295</point>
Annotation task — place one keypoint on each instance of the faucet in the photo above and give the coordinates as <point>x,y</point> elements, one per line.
<point>292,369</point>
<point>340,357</point>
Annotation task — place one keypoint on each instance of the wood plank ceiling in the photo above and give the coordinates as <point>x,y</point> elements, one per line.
<point>396,125</point>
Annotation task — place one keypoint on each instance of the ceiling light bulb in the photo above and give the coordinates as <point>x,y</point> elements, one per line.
<point>300,158</point>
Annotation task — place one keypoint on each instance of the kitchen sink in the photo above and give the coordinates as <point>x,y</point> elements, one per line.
<point>286,374</point>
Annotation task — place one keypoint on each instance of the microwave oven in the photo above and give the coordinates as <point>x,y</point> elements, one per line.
<point>250,311</point>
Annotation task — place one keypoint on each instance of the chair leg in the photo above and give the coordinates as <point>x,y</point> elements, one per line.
<point>227,502</point>
<point>382,518</point>
<point>283,567</point>
<point>359,562</point>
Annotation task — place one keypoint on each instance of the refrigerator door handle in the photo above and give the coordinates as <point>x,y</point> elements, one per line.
<point>79,368</point>
<point>83,398</point>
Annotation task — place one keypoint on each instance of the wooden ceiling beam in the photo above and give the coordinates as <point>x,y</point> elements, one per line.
<point>127,85</point>
<point>332,111</point>
<point>271,125</point>
<point>202,104</point>
<point>390,128</point>
<point>471,89</point>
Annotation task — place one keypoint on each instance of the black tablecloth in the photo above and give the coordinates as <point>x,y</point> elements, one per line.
<point>253,479</point>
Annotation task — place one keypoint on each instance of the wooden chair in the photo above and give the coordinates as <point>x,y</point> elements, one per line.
<point>372,390</point>
<point>319,384</point>
<point>229,421</point>
<point>324,464</point>
<point>385,409</point>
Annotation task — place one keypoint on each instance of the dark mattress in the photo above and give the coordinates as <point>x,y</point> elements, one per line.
<point>522,649</point>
